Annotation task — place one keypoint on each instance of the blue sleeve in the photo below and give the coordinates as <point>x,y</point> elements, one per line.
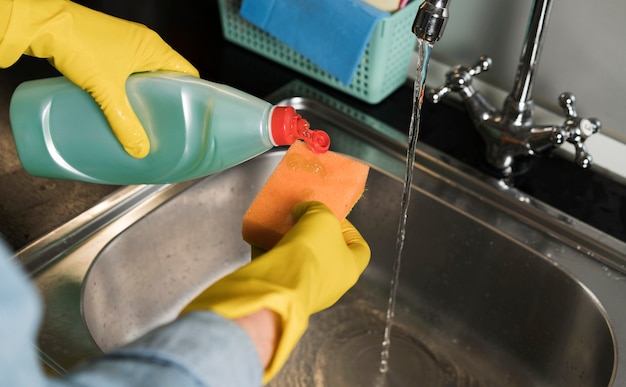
<point>20,313</point>
<point>198,349</point>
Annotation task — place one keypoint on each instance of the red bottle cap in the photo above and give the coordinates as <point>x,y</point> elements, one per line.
<point>287,126</point>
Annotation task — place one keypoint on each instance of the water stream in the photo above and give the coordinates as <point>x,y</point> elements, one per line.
<point>423,51</point>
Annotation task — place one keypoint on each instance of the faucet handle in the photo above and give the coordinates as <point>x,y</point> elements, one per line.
<point>459,79</point>
<point>578,129</point>
<point>483,64</point>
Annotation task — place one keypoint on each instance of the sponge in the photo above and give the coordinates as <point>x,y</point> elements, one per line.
<point>336,180</point>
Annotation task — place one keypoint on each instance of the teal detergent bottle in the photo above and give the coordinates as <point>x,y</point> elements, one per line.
<point>195,127</point>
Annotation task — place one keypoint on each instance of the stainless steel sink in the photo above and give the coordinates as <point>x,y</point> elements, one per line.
<point>496,288</point>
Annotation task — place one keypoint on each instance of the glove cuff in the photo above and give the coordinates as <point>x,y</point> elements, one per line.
<point>293,320</point>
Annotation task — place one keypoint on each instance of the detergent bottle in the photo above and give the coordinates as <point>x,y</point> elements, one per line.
<point>195,127</point>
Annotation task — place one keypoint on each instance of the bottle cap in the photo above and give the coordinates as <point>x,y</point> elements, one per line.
<point>287,126</point>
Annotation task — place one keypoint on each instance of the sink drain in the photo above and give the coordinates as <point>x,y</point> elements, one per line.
<point>342,348</point>
<point>355,360</point>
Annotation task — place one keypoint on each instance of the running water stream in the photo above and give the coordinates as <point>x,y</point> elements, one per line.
<point>423,51</point>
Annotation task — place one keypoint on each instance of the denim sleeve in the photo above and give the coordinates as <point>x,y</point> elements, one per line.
<point>198,349</point>
<point>20,313</point>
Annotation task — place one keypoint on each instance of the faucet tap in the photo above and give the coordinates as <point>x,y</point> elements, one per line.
<point>431,19</point>
<point>511,135</point>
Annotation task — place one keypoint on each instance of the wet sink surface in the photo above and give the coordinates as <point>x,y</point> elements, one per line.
<point>493,291</point>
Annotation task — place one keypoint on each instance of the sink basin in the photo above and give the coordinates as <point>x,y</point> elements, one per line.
<point>467,291</point>
<point>496,288</point>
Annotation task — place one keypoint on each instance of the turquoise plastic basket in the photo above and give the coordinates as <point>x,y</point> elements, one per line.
<point>382,69</point>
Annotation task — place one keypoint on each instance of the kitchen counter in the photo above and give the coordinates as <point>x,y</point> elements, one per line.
<point>30,207</point>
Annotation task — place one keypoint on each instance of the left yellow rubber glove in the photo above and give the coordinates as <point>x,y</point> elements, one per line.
<point>309,269</point>
<point>94,50</point>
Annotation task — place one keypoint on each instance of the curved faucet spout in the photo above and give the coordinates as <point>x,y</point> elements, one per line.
<point>510,134</point>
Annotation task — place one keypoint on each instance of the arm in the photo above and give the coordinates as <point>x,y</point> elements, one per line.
<point>311,267</point>
<point>242,329</point>
<point>20,313</point>
<point>262,327</point>
<point>197,349</point>
<point>236,333</point>
<point>200,348</point>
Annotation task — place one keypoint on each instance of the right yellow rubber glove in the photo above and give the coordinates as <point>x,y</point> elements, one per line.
<point>309,269</point>
<point>94,50</point>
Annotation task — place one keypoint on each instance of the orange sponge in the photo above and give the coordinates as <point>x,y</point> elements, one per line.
<point>331,178</point>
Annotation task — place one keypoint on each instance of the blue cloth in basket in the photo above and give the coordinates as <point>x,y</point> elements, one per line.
<point>332,34</point>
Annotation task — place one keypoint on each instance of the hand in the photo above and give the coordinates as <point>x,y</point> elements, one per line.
<point>95,51</point>
<point>309,269</point>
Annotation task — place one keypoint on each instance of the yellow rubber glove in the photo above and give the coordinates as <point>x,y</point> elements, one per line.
<point>309,269</point>
<point>94,50</point>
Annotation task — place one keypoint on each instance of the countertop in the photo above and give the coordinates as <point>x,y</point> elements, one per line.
<point>30,207</point>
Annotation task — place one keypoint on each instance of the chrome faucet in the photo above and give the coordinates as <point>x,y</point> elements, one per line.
<point>511,135</point>
<point>431,19</point>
